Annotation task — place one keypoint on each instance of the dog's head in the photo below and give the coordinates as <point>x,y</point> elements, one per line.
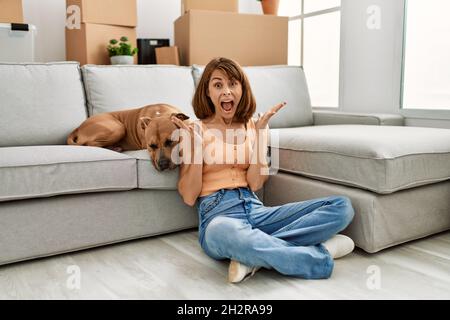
<point>158,139</point>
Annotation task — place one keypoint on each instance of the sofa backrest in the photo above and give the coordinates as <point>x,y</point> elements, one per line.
<point>274,84</point>
<point>40,103</point>
<point>113,88</point>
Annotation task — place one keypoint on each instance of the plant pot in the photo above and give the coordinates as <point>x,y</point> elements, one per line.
<point>122,60</point>
<point>270,6</point>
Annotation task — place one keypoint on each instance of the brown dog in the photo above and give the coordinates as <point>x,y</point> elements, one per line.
<point>148,128</point>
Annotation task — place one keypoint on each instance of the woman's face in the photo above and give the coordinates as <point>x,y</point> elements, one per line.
<point>225,94</point>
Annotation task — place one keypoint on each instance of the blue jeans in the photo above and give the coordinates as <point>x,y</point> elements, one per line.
<point>234,224</point>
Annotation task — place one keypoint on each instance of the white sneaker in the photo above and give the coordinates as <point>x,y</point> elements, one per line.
<point>238,272</point>
<point>339,246</point>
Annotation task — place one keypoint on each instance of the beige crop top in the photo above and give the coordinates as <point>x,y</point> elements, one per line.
<point>224,164</point>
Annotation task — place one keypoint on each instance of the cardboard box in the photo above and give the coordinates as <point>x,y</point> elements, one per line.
<point>11,11</point>
<point>214,5</point>
<point>250,39</point>
<point>88,44</point>
<point>167,55</point>
<point>112,12</point>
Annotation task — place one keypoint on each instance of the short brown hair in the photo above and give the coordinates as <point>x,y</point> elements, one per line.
<point>204,107</point>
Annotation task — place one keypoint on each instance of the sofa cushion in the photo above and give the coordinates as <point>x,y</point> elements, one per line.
<point>383,159</point>
<point>40,103</point>
<point>274,84</point>
<point>149,177</point>
<point>113,88</point>
<point>42,171</point>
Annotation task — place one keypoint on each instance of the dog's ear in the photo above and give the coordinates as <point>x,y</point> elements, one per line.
<point>145,121</point>
<point>180,116</point>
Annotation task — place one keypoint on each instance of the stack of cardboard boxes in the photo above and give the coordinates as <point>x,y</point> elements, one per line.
<point>209,29</point>
<point>11,11</point>
<point>100,21</point>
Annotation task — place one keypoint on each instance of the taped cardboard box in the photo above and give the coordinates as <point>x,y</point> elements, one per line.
<point>11,11</point>
<point>214,5</point>
<point>167,55</point>
<point>250,39</point>
<point>112,12</point>
<point>88,45</point>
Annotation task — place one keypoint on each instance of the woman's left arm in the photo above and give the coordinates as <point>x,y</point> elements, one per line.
<point>258,171</point>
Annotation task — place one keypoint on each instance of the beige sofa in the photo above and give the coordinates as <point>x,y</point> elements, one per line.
<point>56,198</point>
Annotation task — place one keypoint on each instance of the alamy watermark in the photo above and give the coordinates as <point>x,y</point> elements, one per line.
<point>374,19</point>
<point>373,282</point>
<point>73,281</point>
<point>73,19</point>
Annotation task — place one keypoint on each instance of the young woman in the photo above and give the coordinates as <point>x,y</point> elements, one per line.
<point>297,239</point>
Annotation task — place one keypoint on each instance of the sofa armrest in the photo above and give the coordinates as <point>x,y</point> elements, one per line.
<point>379,119</point>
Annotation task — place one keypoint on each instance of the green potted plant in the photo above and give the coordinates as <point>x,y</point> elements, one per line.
<point>270,6</point>
<point>121,52</point>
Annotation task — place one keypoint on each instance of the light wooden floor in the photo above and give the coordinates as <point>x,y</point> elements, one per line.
<point>174,267</point>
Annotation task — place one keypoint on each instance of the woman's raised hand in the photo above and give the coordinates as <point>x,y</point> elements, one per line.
<point>263,120</point>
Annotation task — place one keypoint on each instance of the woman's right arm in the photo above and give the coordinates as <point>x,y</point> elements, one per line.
<point>190,174</point>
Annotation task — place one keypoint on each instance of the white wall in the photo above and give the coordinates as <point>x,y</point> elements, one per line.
<point>49,17</point>
<point>371,58</point>
<point>156,17</point>
<point>250,6</point>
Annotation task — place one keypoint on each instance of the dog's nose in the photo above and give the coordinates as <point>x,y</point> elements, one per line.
<point>164,164</point>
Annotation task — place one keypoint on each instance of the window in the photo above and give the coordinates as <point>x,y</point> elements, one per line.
<point>426,55</point>
<point>314,43</point>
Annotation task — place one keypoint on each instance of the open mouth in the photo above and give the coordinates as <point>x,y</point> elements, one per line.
<point>227,106</point>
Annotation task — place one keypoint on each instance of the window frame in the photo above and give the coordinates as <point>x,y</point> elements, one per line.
<point>425,113</point>
<point>302,17</point>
